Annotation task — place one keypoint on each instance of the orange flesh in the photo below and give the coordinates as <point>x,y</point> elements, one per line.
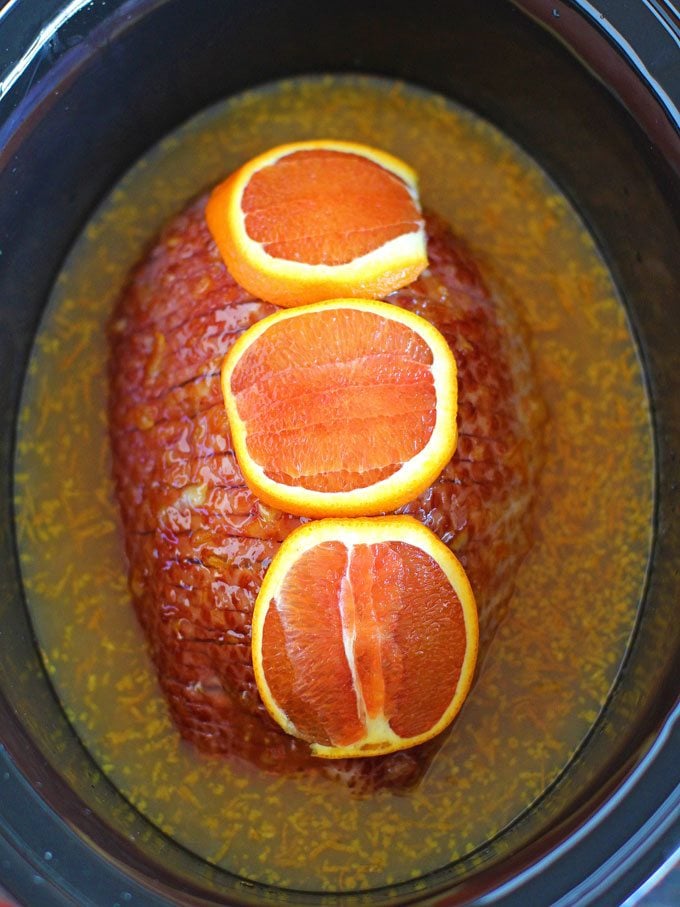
<point>326,207</point>
<point>359,632</point>
<point>310,387</point>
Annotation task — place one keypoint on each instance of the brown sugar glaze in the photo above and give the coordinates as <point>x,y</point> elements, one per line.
<point>199,541</point>
<point>548,668</point>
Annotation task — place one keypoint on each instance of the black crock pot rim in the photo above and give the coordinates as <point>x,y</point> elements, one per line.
<point>655,23</point>
<point>628,865</point>
<point>670,725</point>
<point>639,33</point>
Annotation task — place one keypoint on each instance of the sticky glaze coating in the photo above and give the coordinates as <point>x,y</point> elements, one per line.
<point>198,541</point>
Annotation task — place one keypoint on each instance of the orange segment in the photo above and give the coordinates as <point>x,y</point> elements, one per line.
<point>343,408</point>
<point>315,220</point>
<point>364,636</point>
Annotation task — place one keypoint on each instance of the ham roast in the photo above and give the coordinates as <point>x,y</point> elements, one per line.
<point>198,541</point>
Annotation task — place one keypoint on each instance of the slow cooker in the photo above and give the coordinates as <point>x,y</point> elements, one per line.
<point>592,92</point>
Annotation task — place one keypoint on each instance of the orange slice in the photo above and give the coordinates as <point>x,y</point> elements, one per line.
<point>364,636</point>
<point>316,220</point>
<point>343,408</point>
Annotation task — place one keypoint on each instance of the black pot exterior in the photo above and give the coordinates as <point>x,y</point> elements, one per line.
<point>100,85</point>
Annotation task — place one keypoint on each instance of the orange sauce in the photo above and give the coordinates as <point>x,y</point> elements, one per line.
<point>550,667</point>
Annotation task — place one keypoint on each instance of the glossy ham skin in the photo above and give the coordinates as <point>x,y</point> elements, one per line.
<point>198,541</point>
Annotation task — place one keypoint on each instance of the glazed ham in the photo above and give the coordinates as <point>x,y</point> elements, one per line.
<point>199,542</point>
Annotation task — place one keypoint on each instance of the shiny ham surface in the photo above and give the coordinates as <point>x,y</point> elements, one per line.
<point>199,542</point>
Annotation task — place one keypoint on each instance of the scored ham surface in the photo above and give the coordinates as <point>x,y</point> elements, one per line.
<point>198,541</point>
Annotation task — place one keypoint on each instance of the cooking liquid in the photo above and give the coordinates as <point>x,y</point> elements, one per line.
<point>550,667</point>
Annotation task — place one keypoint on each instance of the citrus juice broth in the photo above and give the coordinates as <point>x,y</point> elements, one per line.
<point>548,671</point>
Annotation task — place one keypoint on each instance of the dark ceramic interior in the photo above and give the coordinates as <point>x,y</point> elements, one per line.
<point>560,80</point>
